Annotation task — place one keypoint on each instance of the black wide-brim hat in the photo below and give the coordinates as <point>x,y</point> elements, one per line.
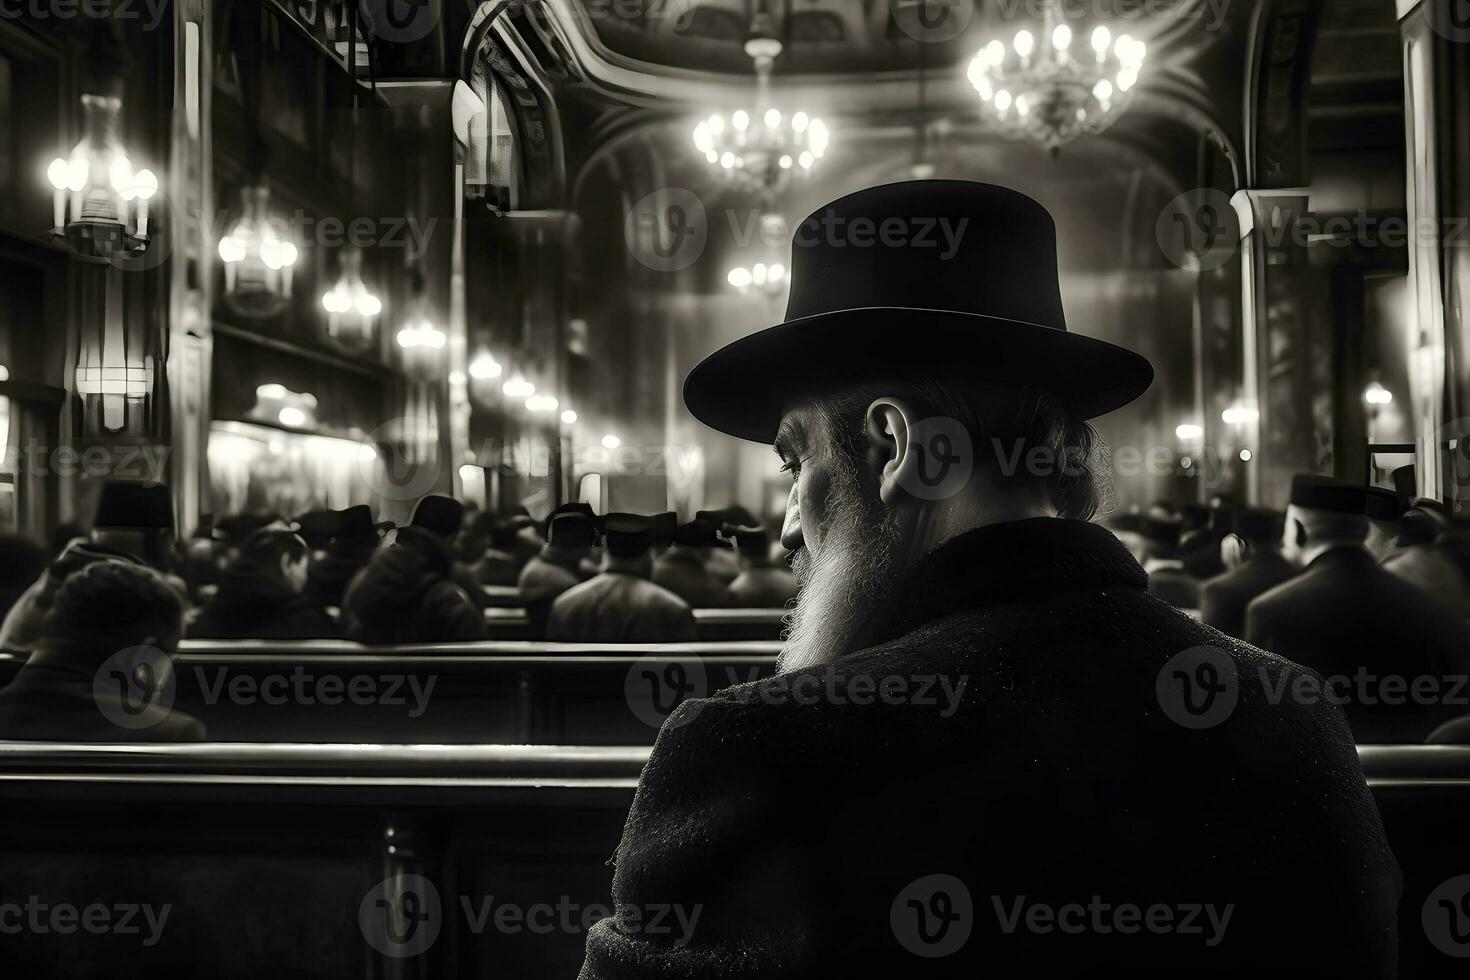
<point>946,279</point>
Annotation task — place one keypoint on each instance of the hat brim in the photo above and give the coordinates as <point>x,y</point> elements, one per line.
<point>745,388</point>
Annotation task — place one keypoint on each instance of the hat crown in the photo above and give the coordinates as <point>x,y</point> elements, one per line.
<point>954,245</point>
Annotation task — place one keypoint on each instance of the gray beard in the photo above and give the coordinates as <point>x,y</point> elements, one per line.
<point>844,584</point>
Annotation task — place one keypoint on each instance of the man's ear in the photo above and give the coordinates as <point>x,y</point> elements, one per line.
<point>894,463</point>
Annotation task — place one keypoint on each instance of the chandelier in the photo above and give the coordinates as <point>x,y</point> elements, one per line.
<point>350,306</point>
<point>768,277</point>
<point>1049,91</point>
<point>258,260</point>
<point>763,147</point>
<point>100,203</point>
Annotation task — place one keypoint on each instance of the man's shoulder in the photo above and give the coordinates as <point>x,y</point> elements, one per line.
<point>975,674</point>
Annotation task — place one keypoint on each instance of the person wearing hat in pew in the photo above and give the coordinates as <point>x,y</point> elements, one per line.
<point>444,518</point>
<point>1167,577</point>
<point>353,541</point>
<point>133,523</point>
<point>620,604</point>
<point>262,594</point>
<point>1346,617</point>
<point>410,591</point>
<point>101,661</point>
<point>722,561</point>
<point>1433,554</point>
<point>1254,562</point>
<point>557,568</point>
<point>499,564</point>
<point>684,569</point>
<point>763,583</point>
<point>821,830</point>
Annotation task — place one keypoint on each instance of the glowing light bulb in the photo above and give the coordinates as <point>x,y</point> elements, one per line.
<point>1103,90</point>
<point>995,53</point>
<point>57,174</point>
<point>800,121</point>
<point>485,367</point>
<point>773,118</point>
<point>1189,432</point>
<point>611,441</point>
<point>1061,37</point>
<point>568,417</point>
<point>1002,100</point>
<point>292,416</point>
<point>1101,38</point>
<point>739,277</point>
<point>740,120</point>
<point>1024,43</point>
<point>233,250</point>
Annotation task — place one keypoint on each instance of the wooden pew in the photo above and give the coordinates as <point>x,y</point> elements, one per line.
<point>509,622</point>
<point>593,694</point>
<point>267,853</point>
<point>269,857</point>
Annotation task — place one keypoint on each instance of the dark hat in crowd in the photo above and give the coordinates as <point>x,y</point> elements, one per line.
<point>355,525</point>
<point>987,308</point>
<point>571,530</point>
<point>577,507</point>
<point>1324,493</point>
<point>1160,531</point>
<point>440,514</point>
<point>1195,516</point>
<point>754,542</point>
<point>1259,524</point>
<point>503,536</point>
<point>235,528</point>
<point>664,525</point>
<point>135,505</point>
<point>698,534</point>
<point>317,528</point>
<point>627,535</point>
<point>1423,522</point>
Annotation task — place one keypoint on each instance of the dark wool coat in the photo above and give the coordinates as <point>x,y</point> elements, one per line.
<point>408,594</point>
<point>682,570</point>
<point>55,697</point>
<point>801,818</point>
<point>614,607</point>
<point>255,602</point>
<point>1344,615</point>
<point>1224,598</point>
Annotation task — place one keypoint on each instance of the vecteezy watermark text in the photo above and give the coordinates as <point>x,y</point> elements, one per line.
<point>64,919</point>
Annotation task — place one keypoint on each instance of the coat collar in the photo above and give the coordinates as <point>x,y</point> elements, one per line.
<point>1004,563</point>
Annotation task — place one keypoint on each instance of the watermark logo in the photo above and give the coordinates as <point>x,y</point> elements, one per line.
<point>1450,19</point>
<point>1446,917</point>
<point>1199,230</point>
<point>401,21</point>
<point>931,21</point>
<point>150,12</point>
<point>944,458</point>
<point>393,473</point>
<point>135,687</point>
<point>666,231</point>
<point>1198,688</point>
<point>656,685</point>
<point>933,916</point>
<point>1104,918</point>
<point>42,918</point>
<point>401,916</point>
